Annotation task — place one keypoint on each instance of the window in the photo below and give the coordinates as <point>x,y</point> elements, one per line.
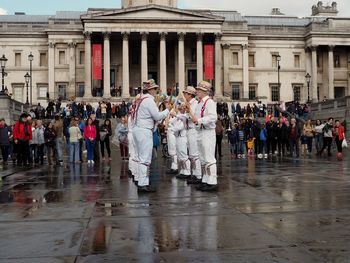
<point>80,90</point>
<point>252,92</point>
<point>235,58</point>
<point>42,91</point>
<point>251,60</point>
<point>236,91</point>
<point>297,93</point>
<point>61,57</point>
<point>62,91</point>
<point>81,57</point>
<point>274,60</point>
<point>297,61</point>
<point>17,59</point>
<point>18,92</point>
<point>336,61</point>
<point>275,93</point>
<point>43,59</point>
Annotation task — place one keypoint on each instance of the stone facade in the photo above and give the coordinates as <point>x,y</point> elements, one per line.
<point>155,39</point>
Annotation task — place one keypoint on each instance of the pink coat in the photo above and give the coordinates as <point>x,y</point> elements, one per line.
<point>90,132</point>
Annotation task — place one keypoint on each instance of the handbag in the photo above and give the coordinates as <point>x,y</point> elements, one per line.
<point>344,144</point>
<point>80,136</point>
<point>103,135</point>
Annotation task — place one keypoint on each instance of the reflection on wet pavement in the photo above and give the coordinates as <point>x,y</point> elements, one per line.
<point>266,211</point>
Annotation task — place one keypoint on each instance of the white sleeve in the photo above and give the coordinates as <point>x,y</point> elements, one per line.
<point>154,112</point>
<point>178,126</point>
<point>210,116</point>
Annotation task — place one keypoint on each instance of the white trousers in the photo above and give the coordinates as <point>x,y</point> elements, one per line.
<point>132,154</point>
<point>172,149</point>
<point>143,139</point>
<point>182,156</point>
<point>192,141</point>
<point>206,147</point>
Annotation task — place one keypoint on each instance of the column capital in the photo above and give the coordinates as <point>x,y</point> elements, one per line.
<point>225,45</point>
<point>181,36</point>
<point>106,35</point>
<point>245,46</point>
<point>144,35</point>
<point>72,44</point>
<point>163,35</point>
<point>331,47</point>
<point>313,48</point>
<point>87,35</point>
<point>52,44</point>
<point>125,35</point>
<point>199,36</point>
<point>218,36</point>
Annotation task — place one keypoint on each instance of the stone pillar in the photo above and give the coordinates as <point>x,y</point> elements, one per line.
<point>218,65</point>
<point>126,85</point>
<point>72,73</point>
<point>106,65</point>
<point>51,65</point>
<point>226,50</point>
<point>87,51</point>
<point>144,56</point>
<point>308,66</point>
<point>330,72</point>
<point>199,57</point>
<point>162,69</point>
<point>314,74</point>
<point>245,72</point>
<point>181,55</point>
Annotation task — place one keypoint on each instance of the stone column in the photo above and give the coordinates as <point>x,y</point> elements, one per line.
<point>330,72</point>
<point>72,73</point>
<point>218,65</point>
<point>199,57</point>
<point>314,74</point>
<point>51,65</point>
<point>162,69</point>
<point>226,50</point>
<point>87,51</point>
<point>308,66</point>
<point>126,85</point>
<point>181,55</point>
<point>245,72</point>
<point>106,65</point>
<point>144,56</point>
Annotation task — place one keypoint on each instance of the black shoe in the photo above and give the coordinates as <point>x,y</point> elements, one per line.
<point>172,171</point>
<point>193,180</point>
<point>183,176</point>
<point>202,185</point>
<point>146,189</point>
<point>210,188</point>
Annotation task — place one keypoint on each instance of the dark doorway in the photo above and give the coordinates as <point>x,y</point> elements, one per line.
<point>192,77</point>
<point>339,92</point>
<point>153,75</point>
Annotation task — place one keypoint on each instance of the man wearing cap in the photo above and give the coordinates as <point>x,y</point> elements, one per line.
<point>204,118</point>
<point>191,102</point>
<point>146,114</point>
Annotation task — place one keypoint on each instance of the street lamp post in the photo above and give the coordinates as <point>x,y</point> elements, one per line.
<point>308,79</point>
<point>27,79</point>
<point>278,70</point>
<point>3,61</point>
<point>31,58</point>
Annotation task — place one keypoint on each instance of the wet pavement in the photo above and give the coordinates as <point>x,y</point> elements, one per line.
<point>265,211</point>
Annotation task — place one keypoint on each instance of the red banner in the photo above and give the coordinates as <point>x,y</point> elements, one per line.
<point>209,62</point>
<point>97,61</point>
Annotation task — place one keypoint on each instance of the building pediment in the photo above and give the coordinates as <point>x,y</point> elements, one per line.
<point>152,12</point>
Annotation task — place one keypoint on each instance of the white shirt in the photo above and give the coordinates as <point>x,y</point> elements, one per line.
<point>147,113</point>
<point>193,104</point>
<point>208,121</point>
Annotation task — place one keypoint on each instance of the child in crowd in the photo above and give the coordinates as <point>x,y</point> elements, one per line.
<point>233,140</point>
<point>241,142</point>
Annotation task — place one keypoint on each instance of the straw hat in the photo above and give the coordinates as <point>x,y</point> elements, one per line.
<point>204,86</point>
<point>190,90</point>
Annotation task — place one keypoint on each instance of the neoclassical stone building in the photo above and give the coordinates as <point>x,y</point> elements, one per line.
<point>155,39</point>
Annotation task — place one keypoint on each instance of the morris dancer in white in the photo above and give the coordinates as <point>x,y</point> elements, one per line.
<point>146,114</point>
<point>181,144</point>
<point>191,102</point>
<point>204,118</point>
<point>171,140</point>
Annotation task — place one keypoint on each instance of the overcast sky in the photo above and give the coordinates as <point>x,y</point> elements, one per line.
<point>245,7</point>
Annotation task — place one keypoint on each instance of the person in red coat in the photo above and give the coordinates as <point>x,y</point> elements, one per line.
<point>90,135</point>
<point>22,134</point>
<point>339,135</point>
